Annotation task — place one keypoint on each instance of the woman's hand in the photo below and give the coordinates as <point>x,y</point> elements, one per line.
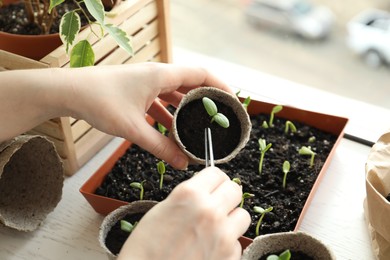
<point>198,220</point>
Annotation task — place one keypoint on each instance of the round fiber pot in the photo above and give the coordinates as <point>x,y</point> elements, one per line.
<point>294,241</point>
<point>111,225</point>
<point>191,119</point>
<point>31,181</point>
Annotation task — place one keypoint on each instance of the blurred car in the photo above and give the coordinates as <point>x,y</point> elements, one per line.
<point>368,35</point>
<point>295,16</point>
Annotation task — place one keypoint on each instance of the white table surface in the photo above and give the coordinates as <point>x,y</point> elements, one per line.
<point>335,215</point>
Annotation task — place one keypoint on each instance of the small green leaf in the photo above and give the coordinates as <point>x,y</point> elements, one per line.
<point>161,167</point>
<point>260,210</point>
<point>265,125</point>
<point>246,102</point>
<point>263,146</point>
<point>120,37</point>
<point>286,166</point>
<point>126,226</point>
<point>306,150</point>
<point>277,109</point>
<point>161,128</point>
<point>237,180</point>
<point>96,9</point>
<point>210,106</point>
<point>54,3</point>
<point>69,28</point>
<point>285,255</point>
<point>136,185</point>
<point>247,195</point>
<point>272,257</point>
<point>221,120</point>
<point>82,55</point>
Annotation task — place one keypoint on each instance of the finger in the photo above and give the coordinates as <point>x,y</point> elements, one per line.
<point>173,98</point>
<point>159,113</point>
<point>190,77</point>
<point>159,145</point>
<point>208,179</point>
<point>239,221</point>
<point>227,196</point>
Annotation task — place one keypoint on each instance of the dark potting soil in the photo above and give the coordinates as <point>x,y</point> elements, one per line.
<point>138,165</point>
<point>13,19</point>
<point>295,255</point>
<point>193,119</point>
<point>388,197</point>
<point>116,237</point>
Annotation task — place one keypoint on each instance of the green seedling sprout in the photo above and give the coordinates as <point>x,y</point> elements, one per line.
<point>161,171</point>
<point>306,150</point>
<point>140,186</point>
<point>312,139</point>
<point>212,110</point>
<point>286,169</point>
<point>237,180</point>
<point>263,147</point>
<point>161,128</point>
<point>127,226</point>
<point>290,126</point>
<point>285,255</point>
<point>261,211</point>
<point>275,109</point>
<point>245,195</point>
<point>265,125</point>
<point>246,102</point>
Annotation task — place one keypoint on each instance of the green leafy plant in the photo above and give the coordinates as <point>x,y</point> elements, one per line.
<point>246,102</point>
<point>263,147</point>
<point>161,129</point>
<point>285,255</point>
<point>265,125</point>
<point>237,180</point>
<point>127,226</point>
<point>161,171</point>
<point>212,110</point>
<point>275,109</point>
<point>306,150</point>
<point>286,169</point>
<point>140,186</point>
<point>261,211</point>
<point>289,126</point>
<point>245,195</point>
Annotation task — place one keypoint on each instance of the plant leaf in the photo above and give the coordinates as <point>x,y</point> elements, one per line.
<point>96,9</point>
<point>277,109</point>
<point>161,167</point>
<point>286,166</point>
<point>136,185</point>
<point>304,150</point>
<point>69,28</point>
<point>273,257</point>
<point>285,255</point>
<point>54,3</point>
<point>120,37</point>
<point>126,226</point>
<point>82,55</point>
<point>221,120</point>
<point>210,106</point>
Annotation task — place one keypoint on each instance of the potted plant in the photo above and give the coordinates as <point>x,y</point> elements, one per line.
<point>299,245</point>
<point>289,201</point>
<point>117,226</point>
<point>51,23</point>
<point>218,110</point>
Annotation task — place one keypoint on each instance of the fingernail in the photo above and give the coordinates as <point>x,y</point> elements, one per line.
<point>180,162</point>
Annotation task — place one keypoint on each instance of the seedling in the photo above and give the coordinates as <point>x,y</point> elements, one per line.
<point>290,126</point>
<point>237,180</point>
<point>161,128</point>
<point>127,226</point>
<point>212,110</point>
<point>286,169</point>
<point>275,109</point>
<point>285,255</point>
<point>161,171</point>
<point>261,211</point>
<point>246,102</point>
<point>245,195</point>
<point>265,125</point>
<point>140,186</point>
<point>263,147</point>
<point>312,139</point>
<point>306,150</point>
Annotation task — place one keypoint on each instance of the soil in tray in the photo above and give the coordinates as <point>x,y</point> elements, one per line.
<point>297,255</point>
<point>137,165</point>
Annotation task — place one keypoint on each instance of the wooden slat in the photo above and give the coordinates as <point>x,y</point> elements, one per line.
<point>164,28</point>
<point>79,128</point>
<point>51,129</point>
<point>147,53</point>
<point>90,144</point>
<point>11,61</point>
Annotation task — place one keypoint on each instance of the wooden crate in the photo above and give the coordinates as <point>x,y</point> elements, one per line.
<point>147,22</point>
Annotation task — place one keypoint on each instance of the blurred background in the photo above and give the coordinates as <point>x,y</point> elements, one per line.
<point>319,43</point>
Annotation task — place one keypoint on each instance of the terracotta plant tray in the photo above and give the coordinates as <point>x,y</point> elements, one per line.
<point>327,123</point>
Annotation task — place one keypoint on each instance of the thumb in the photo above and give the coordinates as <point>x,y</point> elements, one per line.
<point>161,146</point>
